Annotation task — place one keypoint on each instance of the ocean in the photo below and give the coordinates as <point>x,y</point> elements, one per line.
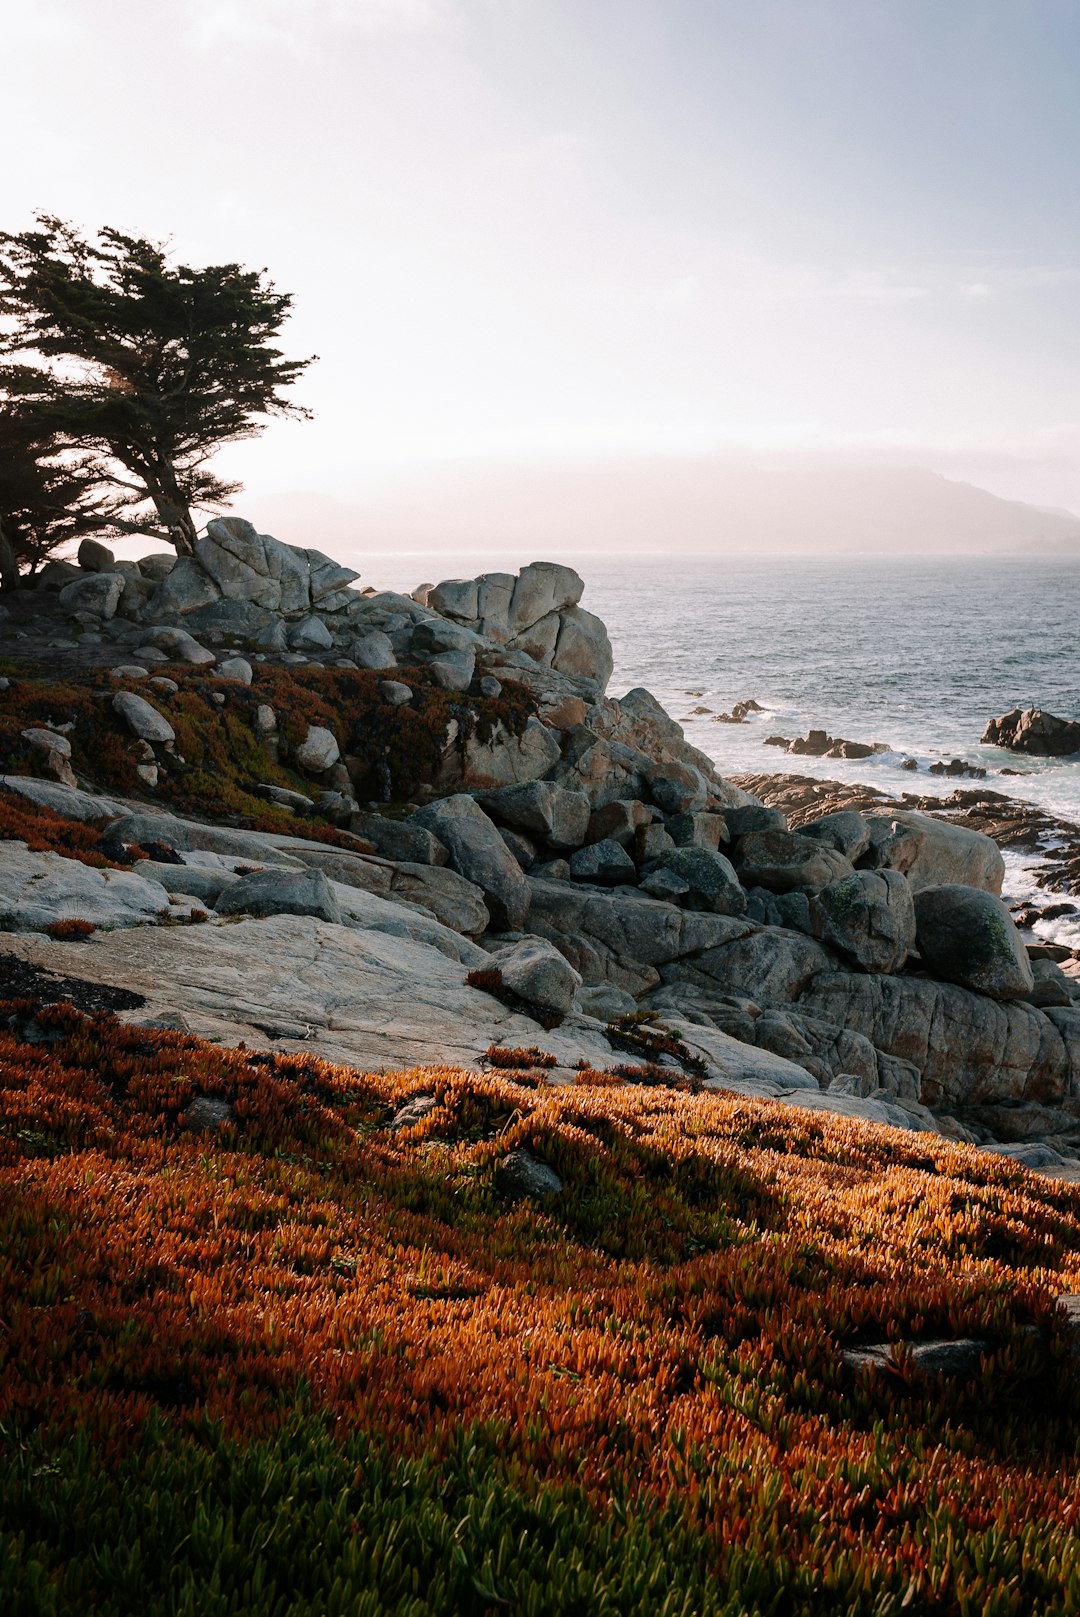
<point>915,653</point>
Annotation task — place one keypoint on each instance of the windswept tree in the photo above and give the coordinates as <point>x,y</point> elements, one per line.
<point>148,365</point>
<point>49,495</point>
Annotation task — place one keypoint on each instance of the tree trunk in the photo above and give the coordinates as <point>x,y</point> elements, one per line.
<point>173,510</point>
<point>9,567</point>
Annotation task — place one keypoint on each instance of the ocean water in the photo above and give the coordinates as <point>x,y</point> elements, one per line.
<point>915,653</point>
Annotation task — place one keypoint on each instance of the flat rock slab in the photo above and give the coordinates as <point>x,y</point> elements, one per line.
<point>364,999</point>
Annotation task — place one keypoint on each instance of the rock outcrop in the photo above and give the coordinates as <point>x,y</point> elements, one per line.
<point>1030,730</point>
<point>572,851</point>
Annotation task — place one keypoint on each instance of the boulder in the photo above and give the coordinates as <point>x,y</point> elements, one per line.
<point>454,670</point>
<point>156,566</point>
<point>623,937</point>
<point>142,719</point>
<point>373,650</point>
<point>784,860</point>
<point>846,831</point>
<point>606,863</point>
<point>318,750</point>
<point>328,577</point>
<point>933,852</point>
<point>697,830</point>
<point>478,853</point>
<point>583,650</point>
<point>711,882</point>
<point>741,821</point>
<point>618,820</point>
<point>399,839</point>
<point>281,892</point>
<point>967,936</point>
<point>233,554</point>
<point>868,916</point>
<point>538,642</point>
<point>184,588</point>
<point>204,882</point>
<point>98,593</point>
<point>561,817</point>
<point>502,759</point>
<point>1030,730</point>
<point>966,1047</point>
<point>310,634</point>
<point>95,557</point>
<point>456,598</point>
<point>177,644</point>
<point>542,587</point>
<point>236,670</point>
<point>534,970</point>
<point>394,692</point>
<point>54,752</point>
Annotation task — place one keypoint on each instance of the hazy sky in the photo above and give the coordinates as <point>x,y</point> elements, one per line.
<point>562,228</point>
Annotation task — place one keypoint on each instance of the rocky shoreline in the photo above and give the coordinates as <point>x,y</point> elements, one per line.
<point>549,869</point>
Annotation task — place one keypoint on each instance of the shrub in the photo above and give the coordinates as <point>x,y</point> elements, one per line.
<point>69,931</point>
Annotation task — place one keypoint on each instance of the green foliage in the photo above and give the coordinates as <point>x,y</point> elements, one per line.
<point>47,499</point>
<point>146,364</point>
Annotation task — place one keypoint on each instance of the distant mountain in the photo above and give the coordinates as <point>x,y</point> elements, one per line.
<point>672,505</point>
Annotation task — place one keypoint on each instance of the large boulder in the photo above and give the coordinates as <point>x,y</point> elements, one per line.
<point>967,936</point>
<point>583,650</point>
<point>478,853</point>
<point>966,1047</point>
<point>932,852</point>
<point>560,816</point>
<point>784,860</point>
<point>233,554</point>
<point>500,759</point>
<point>868,916</point>
<point>96,592</point>
<point>1030,730</point>
<point>399,839</point>
<point>177,644</point>
<point>542,587</point>
<point>186,587</point>
<point>623,938</point>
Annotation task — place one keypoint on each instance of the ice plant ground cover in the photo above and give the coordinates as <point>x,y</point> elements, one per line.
<point>310,1364</point>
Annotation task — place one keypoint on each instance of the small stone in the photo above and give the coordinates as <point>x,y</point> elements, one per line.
<point>521,1176</point>
<point>129,671</point>
<point>394,692</point>
<point>412,1111</point>
<point>207,1114</point>
<point>151,654</point>
<point>490,686</point>
<point>162,683</point>
<point>265,719</point>
<point>237,670</point>
<point>318,751</point>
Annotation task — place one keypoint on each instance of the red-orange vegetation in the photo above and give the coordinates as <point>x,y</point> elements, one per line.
<point>662,1338</point>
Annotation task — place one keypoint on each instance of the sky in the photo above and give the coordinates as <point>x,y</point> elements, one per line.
<point>562,233</point>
